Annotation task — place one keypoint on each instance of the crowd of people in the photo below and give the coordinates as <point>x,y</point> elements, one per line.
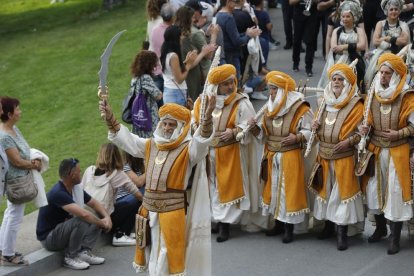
<point>198,167</point>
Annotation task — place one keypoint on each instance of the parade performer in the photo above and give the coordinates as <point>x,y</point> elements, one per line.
<point>347,42</point>
<point>233,166</point>
<point>390,35</point>
<point>338,195</point>
<point>284,129</point>
<point>180,234</point>
<point>391,119</point>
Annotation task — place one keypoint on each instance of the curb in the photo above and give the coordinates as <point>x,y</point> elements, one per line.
<point>43,261</point>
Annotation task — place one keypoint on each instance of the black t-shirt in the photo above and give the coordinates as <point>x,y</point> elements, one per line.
<point>53,213</point>
<point>243,20</point>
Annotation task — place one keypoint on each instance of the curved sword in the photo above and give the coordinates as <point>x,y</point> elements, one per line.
<point>103,72</point>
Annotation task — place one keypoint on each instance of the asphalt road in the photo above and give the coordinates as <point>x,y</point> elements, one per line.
<point>255,254</point>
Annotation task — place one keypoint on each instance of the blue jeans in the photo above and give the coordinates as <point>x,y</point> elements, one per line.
<point>174,96</point>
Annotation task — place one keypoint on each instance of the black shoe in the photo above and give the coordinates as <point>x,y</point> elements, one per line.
<point>394,238</point>
<point>224,229</point>
<point>295,68</point>
<point>309,73</point>
<point>215,228</point>
<point>327,231</point>
<point>288,235</point>
<point>380,229</point>
<point>288,46</point>
<point>342,237</point>
<point>277,230</point>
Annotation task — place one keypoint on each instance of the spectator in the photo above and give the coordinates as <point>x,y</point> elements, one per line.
<point>233,40</point>
<point>193,39</point>
<point>18,154</point>
<point>102,182</point>
<point>175,70</point>
<point>65,225</point>
<point>142,82</point>
<point>157,39</point>
<point>154,16</point>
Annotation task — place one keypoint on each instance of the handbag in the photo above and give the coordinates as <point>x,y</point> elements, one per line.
<point>127,105</point>
<point>189,103</point>
<point>21,189</point>
<point>141,116</point>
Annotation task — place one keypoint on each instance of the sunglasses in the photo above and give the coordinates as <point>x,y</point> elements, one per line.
<point>74,163</point>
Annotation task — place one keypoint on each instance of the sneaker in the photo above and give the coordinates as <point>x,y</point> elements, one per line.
<point>123,241</point>
<point>272,47</point>
<point>75,263</point>
<point>132,235</point>
<point>87,256</point>
<point>247,89</point>
<point>258,96</point>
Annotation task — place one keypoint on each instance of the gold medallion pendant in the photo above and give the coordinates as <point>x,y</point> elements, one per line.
<point>329,120</point>
<point>160,160</point>
<point>216,113</point>
<point>385,109</point>
<point>277,122</point>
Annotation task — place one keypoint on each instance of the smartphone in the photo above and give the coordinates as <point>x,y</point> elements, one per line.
<point>214,20</point>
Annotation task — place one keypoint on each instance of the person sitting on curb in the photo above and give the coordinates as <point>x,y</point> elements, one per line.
<point>65,225</point>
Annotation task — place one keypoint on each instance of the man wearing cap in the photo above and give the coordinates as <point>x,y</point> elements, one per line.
<point>284,129</point>
<point>233,164</point>
<point>180,242</point>
<point>338,198</point>
<point>391,119</point>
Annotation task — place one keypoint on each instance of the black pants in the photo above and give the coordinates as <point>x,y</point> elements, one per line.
<point>372,13</point>
<point>123,217</point>
<point>287,11</point>
<point>321,21</point>
<point>304,29</point>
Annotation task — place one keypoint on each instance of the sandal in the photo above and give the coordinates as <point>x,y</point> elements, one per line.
<point>14,260</point>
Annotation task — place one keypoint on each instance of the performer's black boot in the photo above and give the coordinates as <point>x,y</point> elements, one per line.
<point>288,235</point>
<point>224,229</point>
<point>394,238</point>
<point>380,229</point>
<point>327,231</point>
<point>278,229</point>
<point>215,227</point>
<point>342,237</point>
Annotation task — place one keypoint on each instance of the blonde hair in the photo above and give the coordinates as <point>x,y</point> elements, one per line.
<point>109,158</point>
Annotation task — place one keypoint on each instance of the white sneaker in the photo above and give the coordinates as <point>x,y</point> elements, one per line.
<point>247,89</point>
<point>132,235</point>
<point>75,263</point>
<point>90,258</point>
<point>258,96</point>
<point>272,47</point>
<point>123,241</point>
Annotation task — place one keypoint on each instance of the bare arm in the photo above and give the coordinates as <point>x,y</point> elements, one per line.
<point>362,41</point>
<point>377,39</point>
<point>323,6</point>
<point>328,39</point>
<point>87,216</point>
<point>15,159</point>
<point>138,180</point>
<point>176,68</point>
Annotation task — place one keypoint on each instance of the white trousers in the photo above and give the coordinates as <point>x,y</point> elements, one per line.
<point>12,219</point>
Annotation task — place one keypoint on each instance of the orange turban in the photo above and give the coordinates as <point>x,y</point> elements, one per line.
<point>395,61</point>
<point>180,113</point>
<point>221,73</point>
<point>177,111</point>
<point>283,81</point>
<point>399,67</point>
<point>346,71</point>
<point>349,74</point>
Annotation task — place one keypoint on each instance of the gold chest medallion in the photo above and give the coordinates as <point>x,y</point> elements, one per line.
<point>385,109</point>
<point>215,141</point>
<point>160,160</point>
<point>277,122</point>
<point>216,113</point>
<point>329,120</point>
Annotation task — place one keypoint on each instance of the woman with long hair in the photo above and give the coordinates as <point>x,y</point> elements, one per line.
<point>175,68</point>
<point>102,182</point>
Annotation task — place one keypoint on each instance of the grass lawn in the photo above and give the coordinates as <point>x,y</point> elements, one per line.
<point>49,59</point>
